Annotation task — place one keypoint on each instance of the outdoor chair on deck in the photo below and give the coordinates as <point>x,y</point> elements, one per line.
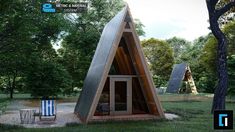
<point>47,109</point>
<point>103,108</point>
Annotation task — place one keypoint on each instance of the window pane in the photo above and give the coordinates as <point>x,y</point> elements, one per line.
<point>120,96</point>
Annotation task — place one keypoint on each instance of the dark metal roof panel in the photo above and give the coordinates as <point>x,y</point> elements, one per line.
<point>98,64</point>
<point>177,76</point>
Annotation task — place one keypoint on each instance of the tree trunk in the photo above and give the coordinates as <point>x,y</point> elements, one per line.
<point>12,87</point>
<point>11,93</point>
<point>221,89</point>
<point>222,71</point>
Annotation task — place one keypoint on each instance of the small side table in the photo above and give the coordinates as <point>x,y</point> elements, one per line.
<point>27,116</point>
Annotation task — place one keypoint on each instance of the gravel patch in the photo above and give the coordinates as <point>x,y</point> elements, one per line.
<point>64,115</point>
<point>170,116</point>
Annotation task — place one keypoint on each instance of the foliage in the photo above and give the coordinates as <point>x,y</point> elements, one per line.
<point>222,70</point>
<point>201,56</point>
<point>208,61</point>
<point>192,52</point>
<point>139,27</point>
<point>231,75</point>
<point>192,57</point>
<point>160,59</point>
<point>28,36</point>
<point>228,16</point>
<point>25,32</point>
<point>208,58</point>
<point>79,46</point>
<point>179,46</point>
<point>230,34</point>
<point>159,81</point>
<point>48,79</point>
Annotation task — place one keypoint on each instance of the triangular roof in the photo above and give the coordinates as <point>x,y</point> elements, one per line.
<point>178,75</point>
<point>101,64</point>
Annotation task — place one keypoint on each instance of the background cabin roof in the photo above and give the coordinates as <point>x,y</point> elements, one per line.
<point>177,75</point>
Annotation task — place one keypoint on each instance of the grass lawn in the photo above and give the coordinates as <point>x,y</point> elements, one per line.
<point>193,110</point>
<point>3,104</point>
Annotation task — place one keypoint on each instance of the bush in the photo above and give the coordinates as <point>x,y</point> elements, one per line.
<point>231,75</point>
<point>159,81</point>
<point>48,79</point>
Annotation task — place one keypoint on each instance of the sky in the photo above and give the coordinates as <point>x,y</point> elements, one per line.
<point>164,19</point>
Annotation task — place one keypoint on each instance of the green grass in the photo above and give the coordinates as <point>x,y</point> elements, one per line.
<point>3,105</point>
<point>193,110</point>
<point>16,96</point>
<point>27,96</point>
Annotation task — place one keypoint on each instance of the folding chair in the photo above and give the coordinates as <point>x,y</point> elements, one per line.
<point>47,109</point>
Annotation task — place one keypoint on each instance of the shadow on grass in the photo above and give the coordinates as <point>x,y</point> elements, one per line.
<point>184,101</point>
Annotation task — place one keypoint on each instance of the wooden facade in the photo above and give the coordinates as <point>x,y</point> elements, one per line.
<point>118,84</point>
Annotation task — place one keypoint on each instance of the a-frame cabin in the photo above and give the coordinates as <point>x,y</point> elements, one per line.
<point>118,85</point>
<point>181,80</point>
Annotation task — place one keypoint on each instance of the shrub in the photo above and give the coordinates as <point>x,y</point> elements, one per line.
<point>48,79</point>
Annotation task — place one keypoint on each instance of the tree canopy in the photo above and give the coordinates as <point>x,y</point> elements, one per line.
<point>179,46</point>
<point>159,56</point>
<point>208,57</point>
<point>30,63</point>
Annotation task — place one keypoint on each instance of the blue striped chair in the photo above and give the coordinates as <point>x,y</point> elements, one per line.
<point>47,109</point>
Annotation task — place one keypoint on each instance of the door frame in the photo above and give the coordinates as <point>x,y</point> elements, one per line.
<point>128,80</point>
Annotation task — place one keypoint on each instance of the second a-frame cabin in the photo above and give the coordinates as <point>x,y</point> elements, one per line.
<point>118,85</point>
<point>181,80</point>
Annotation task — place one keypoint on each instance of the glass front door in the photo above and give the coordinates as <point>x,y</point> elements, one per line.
<point>120,96</point>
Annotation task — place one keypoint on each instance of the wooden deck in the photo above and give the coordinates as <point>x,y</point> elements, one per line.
<point>124,117</point>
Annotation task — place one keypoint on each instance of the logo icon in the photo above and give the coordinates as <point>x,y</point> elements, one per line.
<point>48,8</point>
<point>223,119</point>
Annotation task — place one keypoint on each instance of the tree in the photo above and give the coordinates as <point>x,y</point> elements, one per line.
<point>79,45</point>
<point>192,55</point>
<point>214,14</point>
<point>208,57</point>
<point>230,33</point>
<point>179,46</point>
<point>139,27</point>
<point>12,66</point>
<point>191,51</point>
<point>24,32</point>
<point>227,16</point>
<point>207,60</point>
<point>160,59</point>
<point>231,75</point>
<point>46,79</point>
<point>78,51</point>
